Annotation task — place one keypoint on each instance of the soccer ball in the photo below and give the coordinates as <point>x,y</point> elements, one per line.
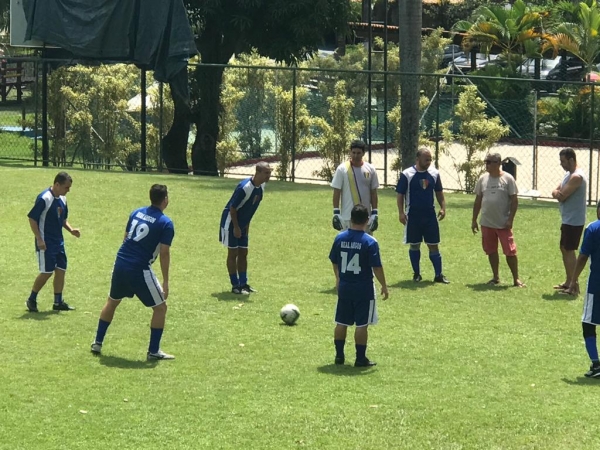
<point>289,314</point>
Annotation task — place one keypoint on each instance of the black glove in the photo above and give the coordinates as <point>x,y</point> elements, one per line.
<point>336,221</point>
<point>373,220</point>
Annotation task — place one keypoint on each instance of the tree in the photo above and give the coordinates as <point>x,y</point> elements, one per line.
<point>285,30</point>
<point>410,62</point>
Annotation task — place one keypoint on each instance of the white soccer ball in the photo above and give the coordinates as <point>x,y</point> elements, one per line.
<point>289,314</point>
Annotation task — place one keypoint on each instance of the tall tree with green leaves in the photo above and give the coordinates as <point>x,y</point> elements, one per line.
<point>285,30</point>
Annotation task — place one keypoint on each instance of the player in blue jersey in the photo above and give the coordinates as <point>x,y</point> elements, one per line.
<point>235,224</point>
<point>416,188</point>
<point>355,258</point>
<point>148,234</point>
<point>590,248</point>
<point>47,219</point>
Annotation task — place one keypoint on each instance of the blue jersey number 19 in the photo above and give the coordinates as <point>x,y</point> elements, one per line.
<point>353,265</point>
<point>141,230</point>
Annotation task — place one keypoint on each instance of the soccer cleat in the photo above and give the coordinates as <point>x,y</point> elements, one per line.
<point>364,363</point>
<point>96,348</point>
<point>62,307</point>
<point>594,371</point>
<point>239,290</point>
<point>441,279</point>
<point>339,360</point>
<point>248,288</point>
<point>158,356</point>
<point>417,277</point>
<point>31,305</point>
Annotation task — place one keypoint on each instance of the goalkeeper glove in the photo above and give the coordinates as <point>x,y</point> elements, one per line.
<point>373,220</point>
<point>336,221</point>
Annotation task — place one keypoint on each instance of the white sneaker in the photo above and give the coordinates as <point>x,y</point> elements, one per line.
<point>159,355</point>
<point>96,348</point>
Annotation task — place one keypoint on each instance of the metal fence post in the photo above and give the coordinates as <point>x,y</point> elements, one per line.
<point>45,143</point>
<point>143,122</point>
<point>160,125</point>
<point>591,172</point>
<point>36,113</point>
<point>534,174</point>
<point>294,130</point>
<point>437,123</point>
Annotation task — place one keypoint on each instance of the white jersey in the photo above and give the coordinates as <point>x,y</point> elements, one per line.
<point>366,180</point>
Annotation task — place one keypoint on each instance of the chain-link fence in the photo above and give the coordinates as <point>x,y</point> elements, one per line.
<point>301,120</point>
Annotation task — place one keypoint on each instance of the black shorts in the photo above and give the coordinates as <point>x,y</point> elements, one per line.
<point>570,235</point>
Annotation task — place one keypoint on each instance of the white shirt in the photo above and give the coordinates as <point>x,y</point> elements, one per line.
<point>366,180</point>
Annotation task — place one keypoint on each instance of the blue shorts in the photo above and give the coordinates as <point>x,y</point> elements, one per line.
<point>350,311</point>
<point>142,283</point>
<point>226,236</point>
<point>422,227</point>
<point>51,259</point>
<point>591,309</point>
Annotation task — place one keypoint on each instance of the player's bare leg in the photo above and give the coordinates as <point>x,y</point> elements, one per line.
<point>569,261</point>
<point>59,284</point>
<point>232,255</point>
<point>38,284</point>
<point>513,264</point>
<point>106,317</point>
<point>157,325</point>
<point>494,260</point>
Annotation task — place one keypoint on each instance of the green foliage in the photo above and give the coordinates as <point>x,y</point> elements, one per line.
<point>334,136</point>
<point>228,150</point>
<point>569,114</point>
<point>432,52</point>
<point>477,133</point>
<point>155,118</point>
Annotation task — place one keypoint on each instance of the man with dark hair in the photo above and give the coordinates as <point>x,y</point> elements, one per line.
<point>148,233</point>
<point>354,182</point>
<point>47,218</point>
<point>235,225</point>
<point>416,188</point>
<point>571,196</point>
<point>355,258</point>
<point>590,248</point>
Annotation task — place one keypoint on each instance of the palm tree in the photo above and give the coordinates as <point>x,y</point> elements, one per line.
<point>581,37</point>
<point>507,28</point>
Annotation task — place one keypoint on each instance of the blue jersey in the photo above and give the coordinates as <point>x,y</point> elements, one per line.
<point>50,213</point>
<point>418,189</point>
<point>245,200</point>
<point>147,228</point>
<point>355,253</point>
<point>591,247</point>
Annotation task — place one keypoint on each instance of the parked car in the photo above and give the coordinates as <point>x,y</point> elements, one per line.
<point>527,68</point>
<point>451,52</point>
<point>575,71</point>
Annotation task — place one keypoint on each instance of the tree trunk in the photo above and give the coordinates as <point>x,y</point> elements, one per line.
<point>174,143</point>
<point>206,118</point>
<point>410,20</point>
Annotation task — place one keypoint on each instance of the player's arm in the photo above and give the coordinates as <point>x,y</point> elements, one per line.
<point>400,203</point>
<point>439,195</point>
<point>74,231</point>
<point>512,211</point>
<point>35,228</point>
<point>165,262</point>
<point>579,266</point>
<point>237,232</point>
<point>476,210</point>
<point>336,272</point>
<point>380,275</point>
<point>565,192</point>
<point>337,195</point>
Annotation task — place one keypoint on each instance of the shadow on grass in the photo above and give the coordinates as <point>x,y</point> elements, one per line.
<point>123,363</point>
<point>42,315</point>
<point>410,284</point>
<point>331,291</point>
<point>230,297</point>
<point>582,381</point>
<point>483,287</point>
<point>556,295</point>
<point>344,370</point>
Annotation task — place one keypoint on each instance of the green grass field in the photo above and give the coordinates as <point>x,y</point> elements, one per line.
<point>462,366</point>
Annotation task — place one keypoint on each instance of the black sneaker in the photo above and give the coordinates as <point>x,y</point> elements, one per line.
<point>62,307</point>
<point>364,363</point>
<point>339,360</point>
<point>441,279</point>
<point>594,371</point>
<point>248,288</point>
<point>239,290</point>
<point>31,305</point>
<point>417,277</point>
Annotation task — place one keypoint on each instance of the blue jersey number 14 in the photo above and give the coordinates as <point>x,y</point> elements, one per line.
<point>140,230</point>
<point>350,266</point>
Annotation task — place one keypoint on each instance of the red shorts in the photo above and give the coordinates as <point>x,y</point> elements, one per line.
<point>491,236</point>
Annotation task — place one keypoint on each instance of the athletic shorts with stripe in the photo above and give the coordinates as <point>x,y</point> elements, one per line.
<point>52,258</point>
<point>350,311</point>
<point>142,283</point>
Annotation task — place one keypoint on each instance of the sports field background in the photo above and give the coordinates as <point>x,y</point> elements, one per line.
<point>463,366</point>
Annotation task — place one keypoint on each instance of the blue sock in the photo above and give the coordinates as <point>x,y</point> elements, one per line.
<point>243,278</point>
<point>415,259</point>
<point>436,260</point>
<point>102,327</point>
<point>33,296</point>
<point>339,347</point>
<point>155,336</point>
<point>58,298</point>
<point>361,351</point>
<point>592,349</point>
<point>234,279</point>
